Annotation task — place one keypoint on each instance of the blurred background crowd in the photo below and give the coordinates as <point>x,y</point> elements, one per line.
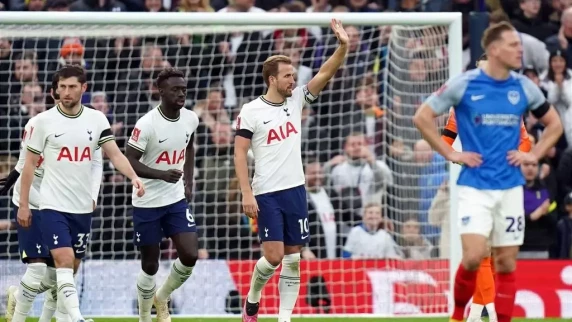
<point>375,188</point>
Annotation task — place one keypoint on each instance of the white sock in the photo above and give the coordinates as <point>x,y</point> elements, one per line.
<point>146,288</point>
<point>492,312</point>
<point>179,275</point>
<point>28,290</point>
<point>61,312</point>
<point>67,292</point>
<point>50,287</point>
<point>263,271</point>
<point>476,312</point>
<point>289,286</point>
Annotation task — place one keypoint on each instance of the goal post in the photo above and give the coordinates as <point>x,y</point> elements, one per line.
<point>205,46</point>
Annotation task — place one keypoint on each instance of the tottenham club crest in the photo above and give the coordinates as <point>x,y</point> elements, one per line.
<point>513,97</point>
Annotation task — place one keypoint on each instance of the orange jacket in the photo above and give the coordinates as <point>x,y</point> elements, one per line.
<point>449,134</point>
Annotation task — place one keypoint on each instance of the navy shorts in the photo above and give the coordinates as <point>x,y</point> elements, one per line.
<point>283,216</point>
<point>150,225</point>
<point>30,242</point>
<point>62,229</point>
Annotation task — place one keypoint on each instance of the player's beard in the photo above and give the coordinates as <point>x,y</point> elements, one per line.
<point>285,92</point>
<point>70,105</point>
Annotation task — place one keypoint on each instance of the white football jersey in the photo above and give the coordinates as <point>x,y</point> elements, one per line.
<point>276,141</point>
<point>68,144</point>
<point>163,142</point>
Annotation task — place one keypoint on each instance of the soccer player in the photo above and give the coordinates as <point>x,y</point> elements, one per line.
<point>489,104</point>
<point>271,126</point>
<point>161,152</point>
<point>484,295</point>
<point>67,137</point>
<point>32,249</point>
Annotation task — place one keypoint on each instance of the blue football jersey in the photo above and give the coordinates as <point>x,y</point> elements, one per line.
<point>488,113</point>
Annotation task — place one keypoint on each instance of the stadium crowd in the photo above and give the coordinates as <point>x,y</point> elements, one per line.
<point>375,188</point>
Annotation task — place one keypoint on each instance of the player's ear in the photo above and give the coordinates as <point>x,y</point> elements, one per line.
<point>83,87</point>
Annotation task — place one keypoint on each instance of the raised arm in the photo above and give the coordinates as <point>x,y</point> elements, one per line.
<point>331,66</point>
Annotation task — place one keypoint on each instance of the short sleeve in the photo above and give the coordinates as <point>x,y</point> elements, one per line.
<point>194,120</point>
<point>22,157</point>
<point>449,95</point>
<point>350,246</point>
<point>105,128</point>
<point>245,123</point>
<point>36,137</point>
<point>534,95</point>
<point>302,96</point>
<point>140,136</point>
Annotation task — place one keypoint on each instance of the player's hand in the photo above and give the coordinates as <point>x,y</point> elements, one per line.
<point>517,158</point>
<point>24,217</point>
<point>470,159</point>
<point>172,176</point>
<point>250,206</point>
<point>139,187</point>
<point>339,31</point>
<point>188,193</point>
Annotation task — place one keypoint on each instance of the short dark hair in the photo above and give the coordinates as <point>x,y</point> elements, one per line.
<point>271,65</point>
<point>26,55</point>
<point>55,81</point>
<point>494,33</point>
<point>168,73</point>
<point>72,71</point>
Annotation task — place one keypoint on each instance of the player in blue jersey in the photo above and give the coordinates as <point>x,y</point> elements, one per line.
<point>489,104</point>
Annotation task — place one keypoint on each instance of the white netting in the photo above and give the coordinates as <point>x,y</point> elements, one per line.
<point>390,70</point>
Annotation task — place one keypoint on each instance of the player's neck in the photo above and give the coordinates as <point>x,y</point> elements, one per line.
<point>273,96</point>
<point>496,71</point>
<point>71,111</point>
<point>172,114</point>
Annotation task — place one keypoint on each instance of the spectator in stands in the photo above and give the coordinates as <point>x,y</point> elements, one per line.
<point>5,61</point>
<point>530,22</point>
<point>540,215</point>
<point>154,6</point>
<point>32,100</point>
<point>57,5</point>
<point>438,215</point>
<point>563,40</point>
<point>195,6</point>
<point>34,5</point>
<point>357,176</point>
<point>328,216</point>
<point>315,140</point>
<point>369,115</point>
<point>413,244</point>
<point>432,173</point>
<point>243,6</point>
<point>371,240</point>
<point>534,52</point>
<point>303,73</point>
<point>98,5</point>
<point>558,84</point>
<point>100,102</point>
<point>563,249</point>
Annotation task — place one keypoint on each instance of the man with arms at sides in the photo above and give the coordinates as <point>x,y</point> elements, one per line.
<point>32,249</point>
<point>161,152</point>
<point>271,125</point>
<point>484,295</point>
<point>67,137</point>
<point>489,104</point>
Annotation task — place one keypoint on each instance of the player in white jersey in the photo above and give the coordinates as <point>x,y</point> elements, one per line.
<point>270,125</point>
<point>161,152</point>
<point>32,248</point>
<point>67,136</point>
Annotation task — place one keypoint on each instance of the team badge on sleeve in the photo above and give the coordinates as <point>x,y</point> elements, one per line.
<point>135,135</point>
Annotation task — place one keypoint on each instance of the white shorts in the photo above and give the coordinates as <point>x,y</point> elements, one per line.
<point>495,214</point>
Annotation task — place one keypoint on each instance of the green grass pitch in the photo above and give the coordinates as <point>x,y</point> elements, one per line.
<point>357,319</point>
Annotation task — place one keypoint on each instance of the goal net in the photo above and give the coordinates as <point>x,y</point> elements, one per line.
<point>395,62</point>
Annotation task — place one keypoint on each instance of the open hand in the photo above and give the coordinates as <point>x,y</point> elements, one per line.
<point>517,158</point>
<point>250,205</point>
<point>339,31</point>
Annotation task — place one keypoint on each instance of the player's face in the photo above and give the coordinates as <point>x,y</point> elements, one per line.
<point>174,92</point>
<point>509,50</point>
<point>284,81</point>
<point>70,90</point>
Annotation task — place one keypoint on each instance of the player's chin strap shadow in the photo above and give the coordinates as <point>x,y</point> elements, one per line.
<point>318,296</point>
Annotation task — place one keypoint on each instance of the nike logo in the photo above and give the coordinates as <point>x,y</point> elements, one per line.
<point>267,122</point>
<point>191,225</point>
<point>304,237</point>
<point>58,135</point>
<point>477,97</point>
<point>161,141</point>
